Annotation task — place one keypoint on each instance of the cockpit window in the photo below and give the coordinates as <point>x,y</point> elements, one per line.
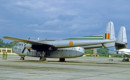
<point>19,44</point>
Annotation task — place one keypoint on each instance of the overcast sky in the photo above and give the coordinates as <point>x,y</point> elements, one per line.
<point>59,19</point>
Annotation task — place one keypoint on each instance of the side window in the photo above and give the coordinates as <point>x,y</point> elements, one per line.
<point>19,44</point>
<point>15,48</point>
<point>19,50</point>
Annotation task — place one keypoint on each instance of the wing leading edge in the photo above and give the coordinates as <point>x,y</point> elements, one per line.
<point>26,41</point>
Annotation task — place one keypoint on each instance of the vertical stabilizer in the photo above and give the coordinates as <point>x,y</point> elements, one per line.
<point>110,33</point>
<point>121,39</point>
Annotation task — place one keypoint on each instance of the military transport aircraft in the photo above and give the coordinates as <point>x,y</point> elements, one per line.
<point>61,48</point>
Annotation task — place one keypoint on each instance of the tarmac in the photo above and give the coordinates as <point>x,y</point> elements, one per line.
<point>82,68</point>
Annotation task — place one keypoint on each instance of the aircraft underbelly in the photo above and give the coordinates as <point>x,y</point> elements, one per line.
<point>54,54</point>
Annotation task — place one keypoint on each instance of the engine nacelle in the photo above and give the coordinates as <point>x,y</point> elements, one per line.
<point>28,46</point>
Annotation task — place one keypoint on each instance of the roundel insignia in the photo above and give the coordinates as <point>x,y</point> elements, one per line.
<point>71,43</point>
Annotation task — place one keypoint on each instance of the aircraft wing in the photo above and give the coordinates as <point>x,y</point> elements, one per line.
<point>26,41</point>
<point>65,43</point>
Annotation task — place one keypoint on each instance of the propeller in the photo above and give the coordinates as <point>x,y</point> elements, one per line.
<point>25,49</point>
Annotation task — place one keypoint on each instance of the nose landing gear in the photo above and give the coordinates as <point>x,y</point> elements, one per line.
<point>22,57</point>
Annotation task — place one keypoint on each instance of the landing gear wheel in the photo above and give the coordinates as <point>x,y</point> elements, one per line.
<point>125,60</point>
<point>22,58</point>
<point>62,60</point>
<point>42,59</point>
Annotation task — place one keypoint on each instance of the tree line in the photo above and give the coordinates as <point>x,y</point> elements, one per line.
<point>7,45</point>
<point>100,51</point>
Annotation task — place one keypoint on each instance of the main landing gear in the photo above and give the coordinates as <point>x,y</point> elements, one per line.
<point>62,60</point>
<point>42,56</point>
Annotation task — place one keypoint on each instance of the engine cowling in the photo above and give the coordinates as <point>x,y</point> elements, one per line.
<point>28,46</point>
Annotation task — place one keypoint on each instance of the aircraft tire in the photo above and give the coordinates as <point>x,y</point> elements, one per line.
<point>42,59</point>
<point>62,60</point>
<point>22,58</point>
<point>125,60</point>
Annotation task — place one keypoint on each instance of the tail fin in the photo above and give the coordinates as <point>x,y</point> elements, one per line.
<point>110,33</point>
<point>121,39</point>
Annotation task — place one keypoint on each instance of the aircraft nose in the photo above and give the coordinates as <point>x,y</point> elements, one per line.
<point>14,49</point>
